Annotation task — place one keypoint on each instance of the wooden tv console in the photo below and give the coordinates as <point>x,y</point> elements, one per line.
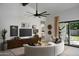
<point>18,42</point>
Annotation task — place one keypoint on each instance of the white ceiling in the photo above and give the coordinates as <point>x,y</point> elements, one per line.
<point>54,8</point>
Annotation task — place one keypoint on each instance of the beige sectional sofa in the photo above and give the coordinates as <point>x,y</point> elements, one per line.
<point>50,50</point>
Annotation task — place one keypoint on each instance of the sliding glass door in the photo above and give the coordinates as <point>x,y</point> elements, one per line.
<point>70,33</point>
<point>74,33</point>
<point>64,32</point>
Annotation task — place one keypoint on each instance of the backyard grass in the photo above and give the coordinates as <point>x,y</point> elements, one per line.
<point>74,38</point>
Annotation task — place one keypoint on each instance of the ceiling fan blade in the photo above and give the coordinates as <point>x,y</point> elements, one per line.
<point>43,15</point>
<point>43,12</point>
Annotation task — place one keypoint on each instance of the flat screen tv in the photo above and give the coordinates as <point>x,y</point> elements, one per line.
<point>25,32</point>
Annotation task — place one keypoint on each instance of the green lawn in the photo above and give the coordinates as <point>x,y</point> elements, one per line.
<point>74,38</point>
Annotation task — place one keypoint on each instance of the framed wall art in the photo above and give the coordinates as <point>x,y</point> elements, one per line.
<point>25,25</point>
<point>13,30</point>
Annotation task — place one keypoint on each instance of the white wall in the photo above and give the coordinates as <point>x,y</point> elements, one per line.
<point>49,20</point>
<point>15,14</point>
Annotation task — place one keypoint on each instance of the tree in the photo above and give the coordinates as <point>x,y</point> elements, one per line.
<point>74,26</point>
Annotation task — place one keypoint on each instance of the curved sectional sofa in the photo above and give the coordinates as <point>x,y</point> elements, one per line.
<point>50,50</point>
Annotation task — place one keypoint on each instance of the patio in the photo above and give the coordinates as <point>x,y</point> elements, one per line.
<point>74,40</point>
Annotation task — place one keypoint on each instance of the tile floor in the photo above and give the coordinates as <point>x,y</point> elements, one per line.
<point>69,51</point>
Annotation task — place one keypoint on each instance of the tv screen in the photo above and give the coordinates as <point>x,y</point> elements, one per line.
<point>25,32</point>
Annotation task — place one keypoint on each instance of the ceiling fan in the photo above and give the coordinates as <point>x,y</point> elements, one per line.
<point>24,4</point>
<point>37,14</point>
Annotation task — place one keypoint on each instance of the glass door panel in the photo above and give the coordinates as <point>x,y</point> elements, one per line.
<point>74,33</point>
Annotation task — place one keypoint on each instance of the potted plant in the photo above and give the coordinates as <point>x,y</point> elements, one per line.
<point>3,34</point>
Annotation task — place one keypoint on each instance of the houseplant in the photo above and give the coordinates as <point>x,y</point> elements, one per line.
<point>58,40</point>
<point>3,34</point>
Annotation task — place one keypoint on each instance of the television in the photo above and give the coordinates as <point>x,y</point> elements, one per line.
<point>25,32</point>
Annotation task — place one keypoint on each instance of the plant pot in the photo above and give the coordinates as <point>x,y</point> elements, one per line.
<point>4,46</point>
